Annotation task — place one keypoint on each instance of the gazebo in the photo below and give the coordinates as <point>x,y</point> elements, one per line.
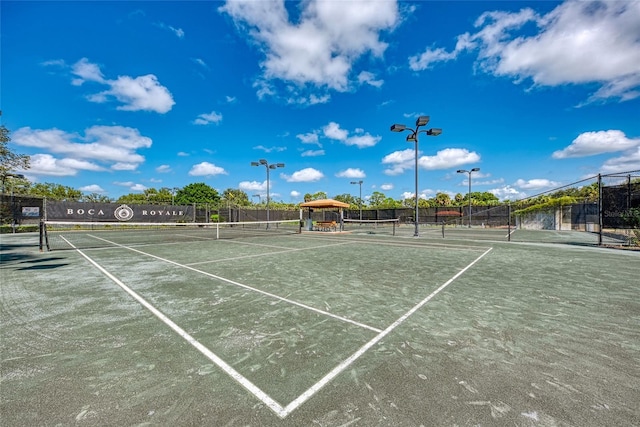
<point>324,204</point>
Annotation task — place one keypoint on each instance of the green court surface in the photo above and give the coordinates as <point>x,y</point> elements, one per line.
<point>320,329</point>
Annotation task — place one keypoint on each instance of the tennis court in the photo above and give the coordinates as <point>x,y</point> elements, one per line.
<point>314,328</point>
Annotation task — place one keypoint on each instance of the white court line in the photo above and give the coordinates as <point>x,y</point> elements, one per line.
<point>425,245</point>
<point>282,412</point>
<point>342,366</point>
<point>299,304</point>
<point>252,388</point>
<point>269,253</point>
<point>227,241</point>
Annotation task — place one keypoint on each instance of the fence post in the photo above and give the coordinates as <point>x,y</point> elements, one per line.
<point>600,222</point>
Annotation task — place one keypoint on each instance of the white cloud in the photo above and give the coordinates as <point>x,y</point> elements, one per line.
<point>200,62</point>
<point>386,187</point>
<point>448,158</point>
<point>143,93</point>
<point>370,79</point>
<point>592,143</point>
<point>99,148</point>
<point>312,153</point>
<point>206,169</point>
<point>304,175</point>
<point>629,162</point>
<point>360,140</point>
<point>321,47</point>
<point>86,71</point>
<point>208,118</point>
<point>399,161</point>
<point>177,31</point>
<point>93,188</point>
<point>351,173</point>
<point>270,149</point>
<point>508,193</point>
<point>138,187</point>
<point>309,138</point>
<point>576,43</point>
<point>294,194</point>
<point>333,131</point>
<point>536,184</point>
<point>253,186</point>
<point>163,169</point>
<point>444,159</point>
<point>46,164</point>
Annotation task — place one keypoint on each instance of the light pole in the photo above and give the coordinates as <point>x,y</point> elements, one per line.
<point>360,199</point>
<point>268,166</point>
<point>413,137</point>
<point>469,172</point>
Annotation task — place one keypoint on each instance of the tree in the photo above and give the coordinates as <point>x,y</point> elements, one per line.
<point>132,199</point>
<point>95,198</point>
<point>377,199</point>
<point>55,192</point>
<point>236,197</point>
<point>443,199</point>
<point>348,198</point>
<point>197,193</point>
<point>319,195</point>
<point>10,161</point>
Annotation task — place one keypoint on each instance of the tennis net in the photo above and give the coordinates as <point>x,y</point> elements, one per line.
<point>371,226</point>
<point>56,235</point>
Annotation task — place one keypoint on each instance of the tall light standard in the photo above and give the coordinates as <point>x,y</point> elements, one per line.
<point>360,199</point>
<point>469,172</point>
<point>268,166</point>
<point>413,137</point>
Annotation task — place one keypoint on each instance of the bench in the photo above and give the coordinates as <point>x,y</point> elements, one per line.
<point>326,226</point>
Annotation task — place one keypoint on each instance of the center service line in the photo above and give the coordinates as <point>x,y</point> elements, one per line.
<point>299,304</point>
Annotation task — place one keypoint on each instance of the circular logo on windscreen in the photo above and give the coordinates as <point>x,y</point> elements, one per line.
<point>123,213</point>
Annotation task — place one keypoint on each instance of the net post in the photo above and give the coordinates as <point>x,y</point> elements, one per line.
<point>600,222</point>
<point>509,221</point>
<point>44,237</point>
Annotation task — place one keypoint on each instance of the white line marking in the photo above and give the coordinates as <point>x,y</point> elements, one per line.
<point>299,304</point>
<point>269,253</point>
<point>342,366</point>
<point>248,385</point>
<point>282,412</point>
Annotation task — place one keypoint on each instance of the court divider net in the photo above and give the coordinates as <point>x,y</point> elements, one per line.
<point>55,235</point>
<point>371,226</point>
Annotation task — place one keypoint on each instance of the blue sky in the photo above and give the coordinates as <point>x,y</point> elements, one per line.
<point>115,97</point>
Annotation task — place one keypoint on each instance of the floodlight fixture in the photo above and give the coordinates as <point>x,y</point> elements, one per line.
<point>422,120</point>
<point>413,137</point>
<point>267,166</point>
<point>469,194</point>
